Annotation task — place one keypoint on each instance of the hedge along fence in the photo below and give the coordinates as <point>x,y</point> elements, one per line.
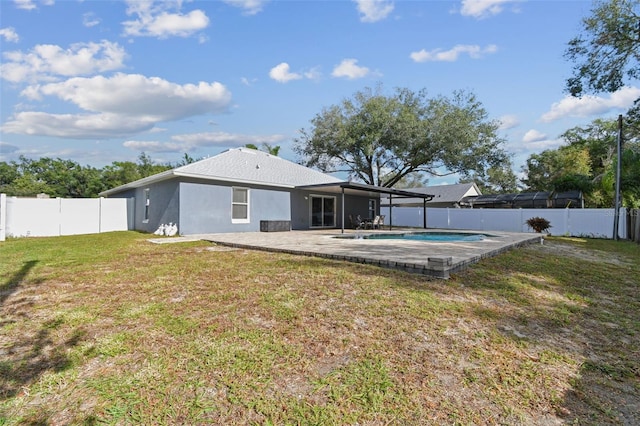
<point>596,223</point>
<point>46,217</point>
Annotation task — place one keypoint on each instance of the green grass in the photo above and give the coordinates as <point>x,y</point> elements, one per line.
<point>111,329</point>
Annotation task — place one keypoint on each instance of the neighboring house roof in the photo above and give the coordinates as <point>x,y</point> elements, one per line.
<point>242,166</point>
<point>442,194</point>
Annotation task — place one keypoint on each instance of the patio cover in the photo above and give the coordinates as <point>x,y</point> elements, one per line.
<point>348,187</point>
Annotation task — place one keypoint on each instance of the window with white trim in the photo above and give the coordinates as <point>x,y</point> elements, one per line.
<point>240,205</point>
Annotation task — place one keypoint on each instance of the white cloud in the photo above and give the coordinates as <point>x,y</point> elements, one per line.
<point>190,141</point>
<point>313,74</point>
<point>9,34</point>
<point>90,20</point>
<point>533,136</point>
<point>8,148</point>
<point>483,8</point>
<point>250,7</point>
<point>532,141</point>
<point>543,144</point>
<point>120,105</point>
<point>374,10</point>
<point>508,122</point>
<point>30,4</point>
<point>226,139</point>
<point>439,55</point>
<point>74,126</point>
<point>592,105</point>
<point>155,146</point>
<point>25,4</point>
<point>282,74</point>
<point>47,62</point>
<point>348,68</point>
<point>149,98</point>
<point>154,19</point>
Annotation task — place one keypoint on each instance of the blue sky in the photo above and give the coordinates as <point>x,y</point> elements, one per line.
<point>103,81</point>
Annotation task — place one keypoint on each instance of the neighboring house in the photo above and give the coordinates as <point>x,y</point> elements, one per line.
<point>241,189</point>
<point>443,196</point>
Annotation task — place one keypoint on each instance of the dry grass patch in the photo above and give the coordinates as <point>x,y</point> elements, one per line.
<point>112,329</point>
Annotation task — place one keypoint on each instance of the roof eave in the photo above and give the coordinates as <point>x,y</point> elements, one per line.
<point>140,182</point>
<point>174,173</point>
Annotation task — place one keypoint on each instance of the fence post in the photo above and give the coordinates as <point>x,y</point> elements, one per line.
<point>3,217</point>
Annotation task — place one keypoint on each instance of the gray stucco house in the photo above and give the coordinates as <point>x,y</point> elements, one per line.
<point>241,189</point>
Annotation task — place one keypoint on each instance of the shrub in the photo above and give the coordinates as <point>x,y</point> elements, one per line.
<point>539,224</point>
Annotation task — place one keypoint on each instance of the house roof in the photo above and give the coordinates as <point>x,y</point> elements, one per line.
<point>242,166</point>
<point>441,194</point>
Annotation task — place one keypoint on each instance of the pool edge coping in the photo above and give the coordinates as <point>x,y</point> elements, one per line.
<point>435,267</point>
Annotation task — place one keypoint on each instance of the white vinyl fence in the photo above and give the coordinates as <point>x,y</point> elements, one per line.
<point>597,223</point>
<point>47,217</point>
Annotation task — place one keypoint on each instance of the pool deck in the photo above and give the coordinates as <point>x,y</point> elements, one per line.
<point>435,259</point>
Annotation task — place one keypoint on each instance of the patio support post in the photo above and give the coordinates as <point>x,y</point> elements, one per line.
<point>424,213</point>
<point>390,210</point>
<point>343,207</point>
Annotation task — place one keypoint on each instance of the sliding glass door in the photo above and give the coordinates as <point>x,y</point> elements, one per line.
<point>323,211</point>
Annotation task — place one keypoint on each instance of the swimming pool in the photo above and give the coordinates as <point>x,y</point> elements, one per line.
<point>423,236</point>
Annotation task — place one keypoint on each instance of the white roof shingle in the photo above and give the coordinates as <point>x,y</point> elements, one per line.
<point>249,165</point>
<point>241,165</point>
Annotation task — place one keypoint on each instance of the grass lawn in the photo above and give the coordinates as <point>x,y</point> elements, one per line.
<point>111,329</point>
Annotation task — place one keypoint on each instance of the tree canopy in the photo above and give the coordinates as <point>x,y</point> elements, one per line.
<point>608,50</point>
<point>380,139</point>
<point>68,179</point>
<point>266,147</point>
<point>606,57</point>
<point>586,162</point>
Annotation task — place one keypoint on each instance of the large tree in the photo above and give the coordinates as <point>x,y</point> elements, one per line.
<point>66,178</point>
<point>587,162</point>
<point>268,148</point>
<point>496,180</point>
<point>608,50</point>
<point>380,139</point>
<point>543,170</point>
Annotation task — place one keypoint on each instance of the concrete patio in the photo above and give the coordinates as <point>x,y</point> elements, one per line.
<point>435,259</point>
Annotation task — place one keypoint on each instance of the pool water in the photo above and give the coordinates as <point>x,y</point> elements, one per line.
<point>427,236</point>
